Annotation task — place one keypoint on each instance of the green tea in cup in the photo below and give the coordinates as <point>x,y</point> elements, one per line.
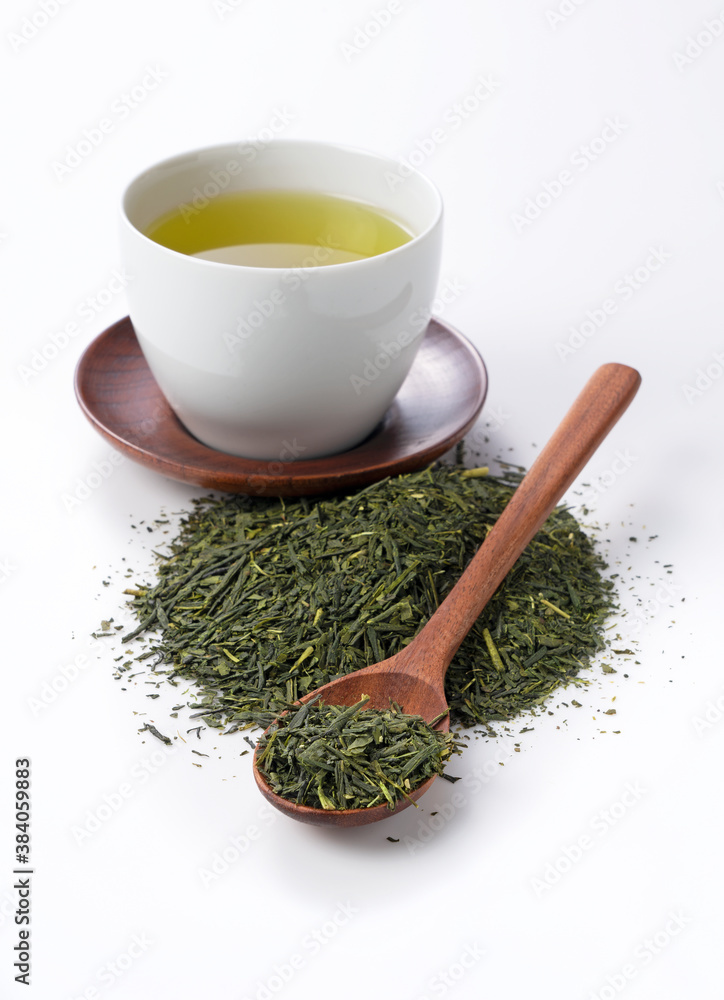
<point>260,348</point>
<point>261,228</point>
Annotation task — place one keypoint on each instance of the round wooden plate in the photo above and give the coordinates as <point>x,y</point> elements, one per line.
<point>436,406</point>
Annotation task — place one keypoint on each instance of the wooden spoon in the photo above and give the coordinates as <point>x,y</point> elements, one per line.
<point>414,677</point>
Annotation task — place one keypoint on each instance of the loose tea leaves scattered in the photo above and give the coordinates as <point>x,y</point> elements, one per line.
<point>337,757</point>
<point>262,600</point>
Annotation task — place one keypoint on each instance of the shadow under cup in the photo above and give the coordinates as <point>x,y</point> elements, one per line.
<point>279,363</point>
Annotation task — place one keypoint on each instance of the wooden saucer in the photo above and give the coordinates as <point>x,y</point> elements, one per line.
<point>436,406</point>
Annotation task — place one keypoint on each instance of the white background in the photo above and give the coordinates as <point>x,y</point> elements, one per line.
<point>588,862</point>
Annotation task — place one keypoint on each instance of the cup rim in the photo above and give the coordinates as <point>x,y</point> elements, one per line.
<point>219,149</point>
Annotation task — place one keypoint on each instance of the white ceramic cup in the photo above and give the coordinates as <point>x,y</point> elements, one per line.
<point>281,363</point>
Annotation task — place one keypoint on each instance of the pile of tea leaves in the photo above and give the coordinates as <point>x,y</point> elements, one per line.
<point>355,757</point>
<point>261,600</point>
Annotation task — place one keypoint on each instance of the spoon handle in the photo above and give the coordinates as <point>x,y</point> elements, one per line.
<point>602,401</point>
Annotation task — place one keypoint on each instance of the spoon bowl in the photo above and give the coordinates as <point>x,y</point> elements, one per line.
<point>381,683</point>
<point>414,678</point>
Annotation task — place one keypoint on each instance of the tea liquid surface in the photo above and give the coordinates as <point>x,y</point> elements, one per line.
<point>278,229</point>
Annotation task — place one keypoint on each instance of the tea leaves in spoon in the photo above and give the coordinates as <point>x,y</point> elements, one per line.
<point>336,757</point>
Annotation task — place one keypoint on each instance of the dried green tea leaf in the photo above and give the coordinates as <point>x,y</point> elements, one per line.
<point>263,600</point>
<point>351,758</point>
<point>154,732</point>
